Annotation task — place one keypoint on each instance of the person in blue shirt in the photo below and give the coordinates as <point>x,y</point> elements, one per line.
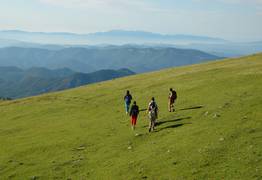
<point>127,100</point>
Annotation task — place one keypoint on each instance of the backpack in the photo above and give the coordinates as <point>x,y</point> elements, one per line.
<point>174,95</point>
<point>153,106</point>
<point>153,111</point>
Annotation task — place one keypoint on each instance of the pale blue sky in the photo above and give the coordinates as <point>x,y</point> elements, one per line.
<point>230,19</point>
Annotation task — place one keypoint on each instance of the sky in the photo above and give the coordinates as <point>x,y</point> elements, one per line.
<point>235,20</point>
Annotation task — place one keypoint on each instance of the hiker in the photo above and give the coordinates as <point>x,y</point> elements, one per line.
<point>134,111</point>
<point>171,99</point>
<point>127,99</point>
<point>152,114</point>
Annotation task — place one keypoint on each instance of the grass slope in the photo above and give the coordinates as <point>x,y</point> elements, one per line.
<point>84,133</point>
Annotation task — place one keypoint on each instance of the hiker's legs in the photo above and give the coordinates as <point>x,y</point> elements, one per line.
<point>150,125</point>
<point>134,119</point>
<point>127,107</point>
<point>134,122</point>
<point>131,121</point>
<point>173,105</point>
<point>153,124</point>
<point>169,105</point>
<point>152,118</point>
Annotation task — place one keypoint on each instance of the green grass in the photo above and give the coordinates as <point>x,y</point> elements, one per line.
<point>84,133</point>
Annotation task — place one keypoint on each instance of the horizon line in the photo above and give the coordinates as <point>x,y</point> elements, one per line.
<point>112,30</point>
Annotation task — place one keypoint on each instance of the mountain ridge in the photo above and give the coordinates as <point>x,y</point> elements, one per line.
<point>107,37</point>
<point>88,60</point>
<point>18,83</point>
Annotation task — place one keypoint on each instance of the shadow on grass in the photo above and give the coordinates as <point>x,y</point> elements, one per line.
<point>173,120</point>
<point>190,108</point>
<point>159,122</point>
<point>171,126</point>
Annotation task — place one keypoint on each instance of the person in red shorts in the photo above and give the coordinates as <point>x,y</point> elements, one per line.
<point>134,114</point>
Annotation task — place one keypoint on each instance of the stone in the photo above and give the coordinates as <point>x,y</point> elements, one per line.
<point>80,148</point>
<point>221,139</point>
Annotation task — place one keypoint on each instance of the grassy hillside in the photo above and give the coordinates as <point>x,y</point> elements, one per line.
<point>84,133</point>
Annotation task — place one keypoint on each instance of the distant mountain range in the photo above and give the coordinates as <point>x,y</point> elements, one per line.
<point>58,41</point>
<point>33,63</point>
<point>17,83</point>
<point>227,49</point>
<point>5,99</point>
<point>137,59</point>
<point>116,37</point>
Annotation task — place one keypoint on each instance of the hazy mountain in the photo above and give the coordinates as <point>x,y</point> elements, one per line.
<point>5,99</point>
<point>116,37</point>
<point>60,40</point>
<point>124,37</point>
<point>15,43</point>
<point>10,42</point>
<point>15,82</point>
<point>86,60</point>
<point>227,49</point>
